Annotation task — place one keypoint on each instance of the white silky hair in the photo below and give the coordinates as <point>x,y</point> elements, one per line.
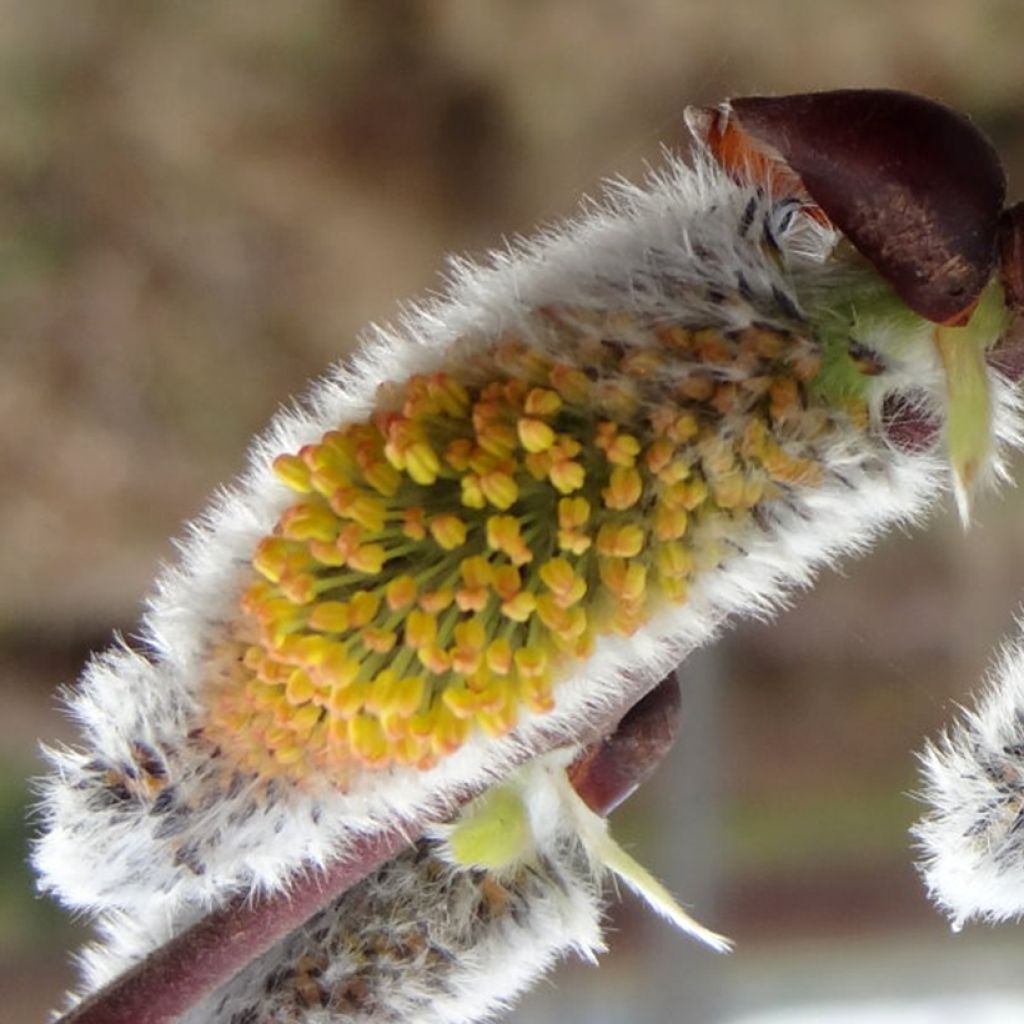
<point>972,838</point>
<point>415,940</point>
<point>656,251</point>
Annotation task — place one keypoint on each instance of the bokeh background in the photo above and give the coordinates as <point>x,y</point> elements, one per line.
<point>203,202</point>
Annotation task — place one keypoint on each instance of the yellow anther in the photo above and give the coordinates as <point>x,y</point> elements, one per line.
<point>676,470</point>
<point>520,607</point>
<point>626,580</point>
<point>471,634</point>
<point>675,588</point>
<point>506,581</point>
<point>687,494</point>
<point>458,454</point>
<point>542,402</point>
<point>451,397</point>
<point>409,751</point>
<point>379,694</point>
<point>413,524</point>
<point>305,650</point>
<point>349,539</point>
<point>531,662</point>
<point>394,728</point>
<point>299,588</point>
<point>300,687</point>
<point>434,659</point>
<point>365,509</point>
<point>566,447</point>
<point>572,384</point>
<point>253,658</point>
<point>275,556</point>
<point>367,740</point>
<point>379,640</point>
<point>500,489</point>
<point>449,531</point>
<point>400,593</point>
<point>623,451</point>
<point>422,463</point>
<point>535,435</point>
<point>289,754</point>
<point>552,614</point>
<point>462,703</point>
<point>558,575</point>
<point>304,719</point>
<point>368,558</point>
<point>292,471</point>
<point>436,601</point>
<point>308,520</point>
<point>669,523</point>
<point>573,541</point>
<point>659,454</point>
<point>347,701</point>
<point>536,695</point>
<point>329,617</point>
<point>573,512</point>
<point>337,669</point>
<point>472,492</point>
<point>499,656</point>
<point>567,476</point>
<point>497,439</point>
<point>503,535</point>
<point>382,477</point>
<point>624,488</point>
<point>407,696</point>
<point>472,599</point>
<point>492,698</point>
<point>449,732</point>
<point>476,571</point>
<point>624,540</point>
<point>420,629</point>
<point>788,469</point>
<point>673,559</point>
<point>363,608</point>
<point>327,554</point>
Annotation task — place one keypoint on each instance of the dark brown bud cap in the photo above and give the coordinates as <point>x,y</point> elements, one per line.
<point>608,771</point>
<point>915,186</point>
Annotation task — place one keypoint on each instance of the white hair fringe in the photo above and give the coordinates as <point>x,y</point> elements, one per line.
<point>972,838</point>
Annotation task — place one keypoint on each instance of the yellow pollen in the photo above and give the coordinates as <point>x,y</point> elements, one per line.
<point>535,435</point>
<point>622,541</point>
<point>624,488</point>
<point>400,593</point>
<point>292,471</point>
<point>449,531</point>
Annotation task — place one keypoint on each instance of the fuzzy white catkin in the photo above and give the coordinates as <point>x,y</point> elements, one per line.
<point>421,939</point>
<point>972,839</point>
<point>686,247</point>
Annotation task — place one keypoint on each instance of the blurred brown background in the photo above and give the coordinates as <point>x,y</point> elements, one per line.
<point>204,201</point>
